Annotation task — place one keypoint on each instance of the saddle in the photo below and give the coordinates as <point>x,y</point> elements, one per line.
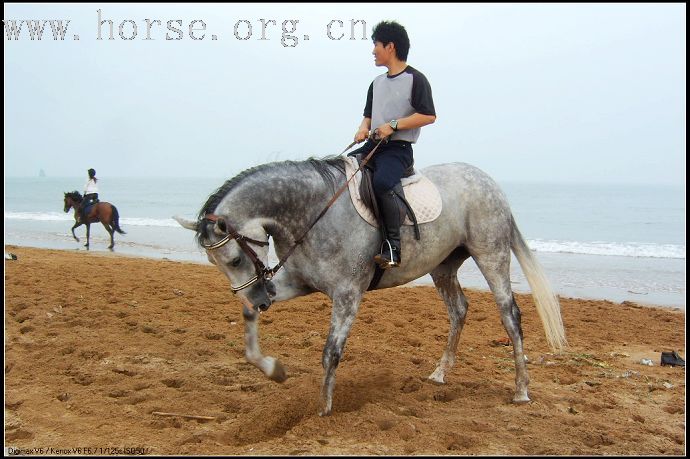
<point>87,206</point>
<point>366,193</point>
<point>421,198</point>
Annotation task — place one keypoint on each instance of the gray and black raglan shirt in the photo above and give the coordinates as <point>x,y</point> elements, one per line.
<point>394,97</point>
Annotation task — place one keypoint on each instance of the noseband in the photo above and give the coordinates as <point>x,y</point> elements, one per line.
<point>262,272</point>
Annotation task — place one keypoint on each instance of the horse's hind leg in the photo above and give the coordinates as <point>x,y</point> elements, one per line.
<point>110,231</point>
<point>495,267</point>
<point>445,278</point>
<point>345,306</point>
<point>88,232</point>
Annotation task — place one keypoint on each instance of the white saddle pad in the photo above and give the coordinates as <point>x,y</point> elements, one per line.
<point>422,195</point>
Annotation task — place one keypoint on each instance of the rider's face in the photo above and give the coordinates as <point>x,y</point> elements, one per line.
<point>383,54</point>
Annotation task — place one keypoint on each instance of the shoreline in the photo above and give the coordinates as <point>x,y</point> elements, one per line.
<point>424,281</point>
<point>648,280</point>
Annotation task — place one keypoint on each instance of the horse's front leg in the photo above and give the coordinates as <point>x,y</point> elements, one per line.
<point>76,225</point>
<point>345,306</point>
<point>252,352</point>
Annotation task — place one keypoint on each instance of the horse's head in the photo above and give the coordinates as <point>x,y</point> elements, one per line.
<point>238,252</point>
<point>72,199</point>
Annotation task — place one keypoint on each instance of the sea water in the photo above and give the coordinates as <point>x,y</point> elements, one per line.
<point>599,241</point>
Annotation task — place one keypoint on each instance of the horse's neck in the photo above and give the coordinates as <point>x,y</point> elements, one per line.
<point>288,203</point>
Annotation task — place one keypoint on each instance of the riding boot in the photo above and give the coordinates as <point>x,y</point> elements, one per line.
<point>86,202</point>
<point>393,213</point>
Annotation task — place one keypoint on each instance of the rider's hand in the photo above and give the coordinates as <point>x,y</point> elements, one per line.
<point>361,135</point>
<point>383,131</point>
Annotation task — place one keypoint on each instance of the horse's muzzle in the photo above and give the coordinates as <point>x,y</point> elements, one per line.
<point>260,296</point>
<point>263,307</point>
<point>270,289</point>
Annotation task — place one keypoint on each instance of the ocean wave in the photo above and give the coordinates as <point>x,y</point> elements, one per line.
<point>619,249</point>
<point>57,216</point>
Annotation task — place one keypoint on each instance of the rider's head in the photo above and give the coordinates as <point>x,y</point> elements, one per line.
<point>392,32</point>
<point>92,173</point>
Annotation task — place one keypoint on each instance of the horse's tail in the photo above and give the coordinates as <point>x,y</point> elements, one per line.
<point>116,220</point>
<point>547,304</point>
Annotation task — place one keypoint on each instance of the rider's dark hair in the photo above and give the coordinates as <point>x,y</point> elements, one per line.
<point>92,174</point>
<point>392,32</point>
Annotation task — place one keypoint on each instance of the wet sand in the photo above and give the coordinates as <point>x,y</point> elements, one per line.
<point>96,344</point>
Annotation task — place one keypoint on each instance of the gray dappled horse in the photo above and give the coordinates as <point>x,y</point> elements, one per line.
<point>281,199</point>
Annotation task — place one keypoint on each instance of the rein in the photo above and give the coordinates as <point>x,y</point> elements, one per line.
<point>262,272</point>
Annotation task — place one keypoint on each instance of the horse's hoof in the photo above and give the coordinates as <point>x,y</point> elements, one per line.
<point>279,374</point>
<point>437,377</point>
<point>521,400</point>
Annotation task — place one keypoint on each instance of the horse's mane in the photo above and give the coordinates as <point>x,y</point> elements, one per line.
<point>74,195</point>
<point>324,166</point>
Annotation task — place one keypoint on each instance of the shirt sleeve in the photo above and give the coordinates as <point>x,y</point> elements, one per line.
<point>422,100</point>
<point>370,100</point>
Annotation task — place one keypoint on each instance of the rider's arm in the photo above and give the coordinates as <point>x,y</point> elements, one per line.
<point>415,120</point>
<point>363,131</point>
<point>365,125</point>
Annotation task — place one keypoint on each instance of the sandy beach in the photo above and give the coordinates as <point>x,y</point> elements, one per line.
<point>97,345</point>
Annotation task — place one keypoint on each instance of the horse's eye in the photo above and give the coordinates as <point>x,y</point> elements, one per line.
<point>236,262</point>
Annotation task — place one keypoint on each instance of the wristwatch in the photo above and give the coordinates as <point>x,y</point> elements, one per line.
<point>394,124</point>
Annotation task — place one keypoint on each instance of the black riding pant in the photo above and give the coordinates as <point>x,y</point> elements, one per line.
<point>89,199</point>
<point>389,163</point>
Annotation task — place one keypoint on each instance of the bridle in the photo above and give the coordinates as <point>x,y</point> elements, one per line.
<point>262,272</point>
<point>70,202</point>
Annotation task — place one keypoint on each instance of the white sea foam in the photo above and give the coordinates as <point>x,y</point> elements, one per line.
<point>56,216</point>
<point>625,249</point>
<point>39,216</point>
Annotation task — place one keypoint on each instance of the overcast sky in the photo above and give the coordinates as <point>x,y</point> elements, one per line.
<point>555,92</point>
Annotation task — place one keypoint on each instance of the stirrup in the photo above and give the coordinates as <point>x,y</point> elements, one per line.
<point>383,262</point>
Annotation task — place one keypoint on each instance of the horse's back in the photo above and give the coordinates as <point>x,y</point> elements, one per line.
<point>475,216</point>
<point>468,191</point>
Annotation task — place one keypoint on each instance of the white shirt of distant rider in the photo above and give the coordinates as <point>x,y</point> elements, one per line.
<point>90,187</point>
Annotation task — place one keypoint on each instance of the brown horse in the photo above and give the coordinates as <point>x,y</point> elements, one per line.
<point>103,212</point>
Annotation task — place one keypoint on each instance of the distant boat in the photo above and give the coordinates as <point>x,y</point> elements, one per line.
<point>41,173</point>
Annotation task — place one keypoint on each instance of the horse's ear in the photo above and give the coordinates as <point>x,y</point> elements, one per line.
<point>189,224</point>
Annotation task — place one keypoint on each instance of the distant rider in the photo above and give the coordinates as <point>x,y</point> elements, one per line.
<point>90,192</point>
